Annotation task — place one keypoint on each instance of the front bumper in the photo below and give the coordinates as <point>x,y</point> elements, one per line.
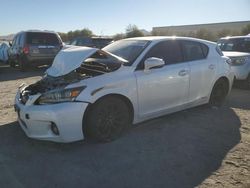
<point>241,72</point>
<point>36,120</point>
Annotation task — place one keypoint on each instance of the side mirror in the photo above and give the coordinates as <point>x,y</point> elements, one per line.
<point>153,62</point>
<point>10,43</point>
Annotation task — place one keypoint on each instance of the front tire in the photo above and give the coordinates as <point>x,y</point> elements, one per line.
<point>107,119</point>
<point>219,93</point>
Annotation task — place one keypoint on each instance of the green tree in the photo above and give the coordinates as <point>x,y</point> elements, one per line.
<point>133,31</point>
<point>246,30</point>
<point>119,36</point>
<point>160,33</point>
<point>205,34</point>
<point>224,33</point>
<point>77,33</point>
<point>86,33</point>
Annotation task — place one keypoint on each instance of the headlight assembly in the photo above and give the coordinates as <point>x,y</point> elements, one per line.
<point>64,95</point>
<point>239,60</point>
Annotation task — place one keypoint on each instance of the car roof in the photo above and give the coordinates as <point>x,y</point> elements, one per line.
<point>36,31</point>
<point>236,37</point>
<point>162,38</point>
<point>85,37</point>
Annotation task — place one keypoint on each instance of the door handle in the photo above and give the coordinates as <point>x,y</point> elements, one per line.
<point>183,73</point>
<point>211,66</point>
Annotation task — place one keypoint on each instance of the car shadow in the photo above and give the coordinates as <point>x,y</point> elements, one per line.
<point>8,73</point>
<point>177,150</point>
<point>239,99</point>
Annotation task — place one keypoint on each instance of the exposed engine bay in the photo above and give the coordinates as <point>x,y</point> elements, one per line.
<point>97,64</point>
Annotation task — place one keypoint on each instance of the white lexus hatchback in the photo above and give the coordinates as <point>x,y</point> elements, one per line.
<point>99,93</point>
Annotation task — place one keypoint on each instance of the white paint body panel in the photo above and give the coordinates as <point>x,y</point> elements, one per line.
<point>241,72</point>
<point>153,93</point>
<point>69,59</point>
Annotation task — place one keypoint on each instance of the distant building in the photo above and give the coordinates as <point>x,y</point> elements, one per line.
<point>234,28</point>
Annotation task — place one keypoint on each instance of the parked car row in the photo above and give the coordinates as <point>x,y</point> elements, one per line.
<point>99,93</point>
<point>36,47</point>
<point>40,47</point>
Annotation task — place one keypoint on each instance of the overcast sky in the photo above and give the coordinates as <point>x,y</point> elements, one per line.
<point>108,17</point>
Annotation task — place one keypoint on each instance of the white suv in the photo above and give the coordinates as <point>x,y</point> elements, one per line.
<point>238,49</point>
<point>99,93</point>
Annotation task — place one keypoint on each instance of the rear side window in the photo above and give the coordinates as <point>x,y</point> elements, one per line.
<point>42,39</point>
<point>194,50</point>
<point>169,51</point>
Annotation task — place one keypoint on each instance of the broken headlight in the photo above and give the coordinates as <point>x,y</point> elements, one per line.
<point>64,95</point>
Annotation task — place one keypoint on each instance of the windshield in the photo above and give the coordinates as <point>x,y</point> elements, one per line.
<point>237,44</point>
<point>127,49</point>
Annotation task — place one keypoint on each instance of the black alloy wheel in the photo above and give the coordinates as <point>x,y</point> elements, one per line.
<point>219,93</point>
<point>107,119</point>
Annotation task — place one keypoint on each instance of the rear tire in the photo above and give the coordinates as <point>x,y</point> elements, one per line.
<point>107,119</point>
<point>12,63</point>
<point>219,93</point>
<point>22,65</point>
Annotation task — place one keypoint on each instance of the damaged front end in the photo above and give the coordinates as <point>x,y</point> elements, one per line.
<point>70,66</point>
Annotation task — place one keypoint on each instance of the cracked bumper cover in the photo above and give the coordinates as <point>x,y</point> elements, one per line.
<point>36,120</point>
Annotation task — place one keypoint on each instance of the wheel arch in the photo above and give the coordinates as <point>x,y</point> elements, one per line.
<point>120,96</point>
<point>224,79</point>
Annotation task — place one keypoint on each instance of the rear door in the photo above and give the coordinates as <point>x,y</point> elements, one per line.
<point>163,88</point>
<point>43,44</point>
<point>202,69</point>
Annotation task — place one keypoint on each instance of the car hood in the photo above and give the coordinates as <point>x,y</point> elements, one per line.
<point>235,54</point>
<point>69,59</point>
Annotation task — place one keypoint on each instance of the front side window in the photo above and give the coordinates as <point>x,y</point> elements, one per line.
<point>169,51</point>
<point>194,50</point>
<point>14,41</point>
<point>22,40</point>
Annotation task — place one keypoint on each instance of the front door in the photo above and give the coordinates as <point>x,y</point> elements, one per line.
<point>164,87</point>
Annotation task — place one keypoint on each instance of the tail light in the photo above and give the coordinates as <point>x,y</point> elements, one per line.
<point>26,49</point>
